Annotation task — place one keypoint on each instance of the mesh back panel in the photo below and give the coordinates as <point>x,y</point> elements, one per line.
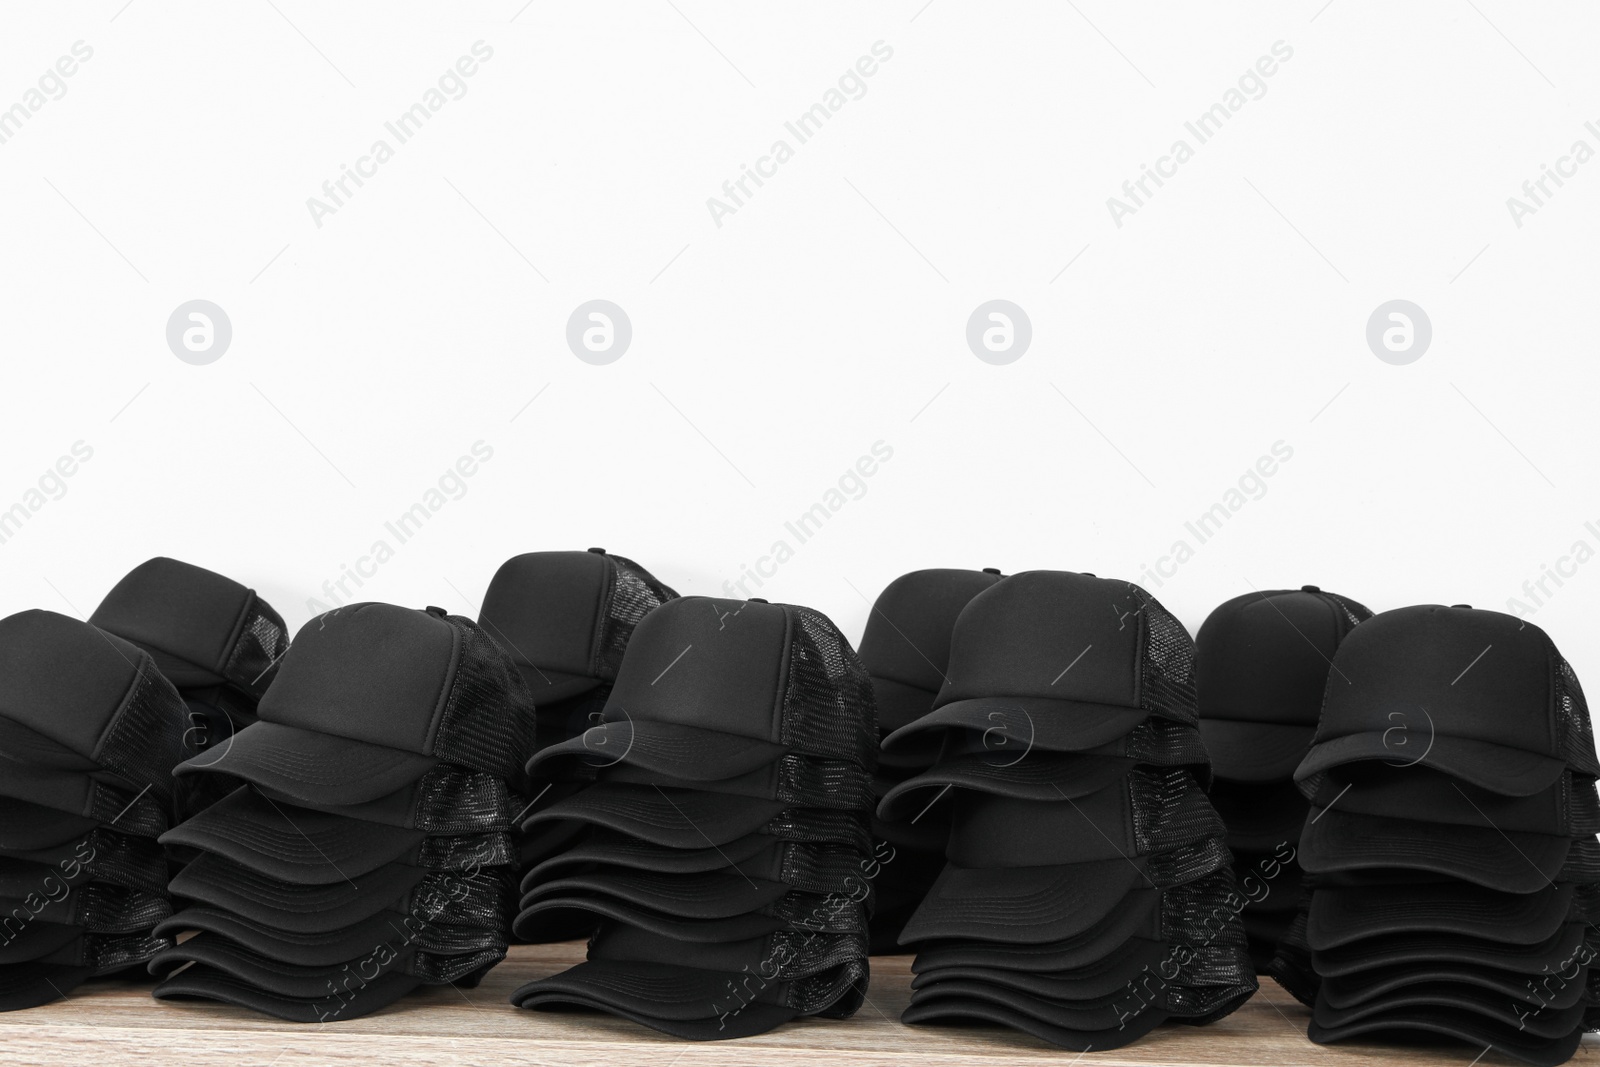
<point>262,641</point>
<point>828,708</point>
<point>488,722</point>
<point>1186,863</point>
<point>482,899</point>
<point>834,913</point>
<point>135,862</point>
<point>1582,805</point>
<point>467,853</point>
<point>435,969</point>
<point>462,802</point>
<point>1353,611</point>
<point>1167,683</point>
<point>97,907</point>
<point>107,955</point>
<point>146,740</point>
<point>1163,744</point>
<point>1170,810</point>
<point>823,827</point>
<point>635,595</point>
<point>130,813</point>
<point>1575,733</point>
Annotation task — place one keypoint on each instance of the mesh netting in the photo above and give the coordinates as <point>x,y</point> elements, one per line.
<point>1169,810</point>
<point>436,969</point>
<point>828,707</point>
<point>134,862</point>
<point>823,827</point>
<point>1167,683</point>
<point>97,907</point>
<point>451,801</point>
<point>138,814</point>
<point>833,913</point>
<point>262,641</point>
<point>824,784</point>
<point>466,853</point>
<point>635,595</point>
<point>1572,712</point>
<point>1354,611</point>
<point>1188,862</point>
<point>484,898</point>
<point>488,723</point>
<point>1582,806</point>
<point>107,955</point>
<point>146,739</point>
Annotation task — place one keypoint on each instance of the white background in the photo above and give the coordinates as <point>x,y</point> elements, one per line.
<point>826,314</point>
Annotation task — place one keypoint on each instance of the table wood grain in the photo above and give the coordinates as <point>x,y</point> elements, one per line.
<point>113,1023</point>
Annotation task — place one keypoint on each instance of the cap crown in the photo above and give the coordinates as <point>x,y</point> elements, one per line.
<point>1456,672</point>
<point>1068,636</point>
<point>907,638</point>
<point>1264,657</point>
<point>64,679</point>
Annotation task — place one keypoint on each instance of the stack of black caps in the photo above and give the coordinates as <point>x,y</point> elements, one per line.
<point>905,649</point>
<point>368,851</point>
<point>214,639</point>
<point>725,865</point>
<point>565,619</point>
<point>89,734</point>
<point>1262,665</point>
<point>1451,847</point>
<point>1089,895</point>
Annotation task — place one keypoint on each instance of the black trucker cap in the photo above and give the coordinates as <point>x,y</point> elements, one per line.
<point>1080,660</point>
<point>906,644</point>
<point>715,688</point>
<point>565,618</point>
<point>202,628</point>
<point>371,697</point>
<point>1262,663</point>
<point>1480,695</point>
<point>79,699</point>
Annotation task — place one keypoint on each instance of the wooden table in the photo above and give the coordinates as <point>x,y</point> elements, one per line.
<point>110,1024</point>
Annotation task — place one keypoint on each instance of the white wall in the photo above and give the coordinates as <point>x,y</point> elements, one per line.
<point>824,315</point>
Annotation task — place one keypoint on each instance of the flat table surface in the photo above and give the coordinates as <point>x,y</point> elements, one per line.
<point>108,1023</point>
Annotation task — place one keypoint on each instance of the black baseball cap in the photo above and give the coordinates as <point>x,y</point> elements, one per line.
<point>202,628</point>
<point>332,948</point>
<point>951,1009</point>
<point>1488,1008</point>
<point>1450,949</point>
<point>371,697</point>
<point>906,644</point>
<point>1349,991</point>
<point>970,765</point>
<point>1023,870</point>
<point>1262,663</point>
<point>445,800</point>
<point>1106,976</point>
<point>565,618</point>
<point>96,907</point>
<point>1480,695</point>
<point>1343,915</point>
<point>793,780</point>
<point>1138,917</point>
<point>1067,660</point>
<point>79,699</point>
<point>825,914</point>
<point>715,688</point>
<point>1336,840</point>
<point>315,848</point>
<point>101,855</point>
<point>1461,1025</point>
<point>277,978</point>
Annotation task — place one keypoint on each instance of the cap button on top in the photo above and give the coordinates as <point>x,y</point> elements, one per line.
<point>1468,607</point>
<point>431,610</point>
<point>991,570</point>
<point>758,600</point>
<point>598,551</point>
<point>1310,589</point>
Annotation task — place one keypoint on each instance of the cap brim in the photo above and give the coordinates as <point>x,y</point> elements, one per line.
<point>1139,917</point>
<point>323,949</point>
<point>618,852</point>
<point>1104,977</point>
<point>1514,862</point>
<point>294,844</point>
<point>1022,904</point>
<point>316,769</point>
<point>712,895</point>
<point>679,818</point>
<point>682,752</point>
<point>25,827</point>
<point>1340,916</point>
<point>1489,1007</point>
<point>1460,1025</point>
<point>37,940</point>
<point>275,977</point>
<point>970,1009</point>
<point>207,983</point>
<point>1021,724</point>
<point>1390,983</point>
<point>1507,771</point>
<point>1046,776</point>
<point>536,922</point>
<point>680,1001</point>
<point>1435,949</point>
<point>1255,751</point>
<point>220,883</point>
<point>1104,1013</point>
